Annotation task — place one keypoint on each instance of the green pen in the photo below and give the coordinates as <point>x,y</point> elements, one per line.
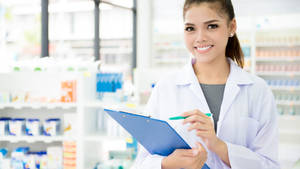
<point>181,117</point>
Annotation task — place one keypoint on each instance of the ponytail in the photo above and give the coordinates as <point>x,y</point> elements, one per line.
<point>234,51</point>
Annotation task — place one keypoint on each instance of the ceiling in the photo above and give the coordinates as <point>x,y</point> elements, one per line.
<point>242,7</point>
<point>266,7</point>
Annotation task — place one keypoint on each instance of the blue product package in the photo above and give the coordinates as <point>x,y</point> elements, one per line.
<point>297,83</point>
<point>17,126</point>
<point>119,81</point>
<point>110,83</point>
<point>104,82</point>
<point>17,157</point>
<point>41,163</point>
<point>281,82</point>
<point>4,126</point>
<point>293,82</point>
<point>32,127</point>
<point>51,127</point>
<point>272,82</point>
<point>3,151</point>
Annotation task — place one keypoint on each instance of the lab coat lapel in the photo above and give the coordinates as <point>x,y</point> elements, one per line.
<point>195,88</point>
<point>197,91</point>
<point>230,93</point>
<point>236,79</point>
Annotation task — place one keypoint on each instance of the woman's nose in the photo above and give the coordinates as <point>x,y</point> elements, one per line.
<point>201,36</point>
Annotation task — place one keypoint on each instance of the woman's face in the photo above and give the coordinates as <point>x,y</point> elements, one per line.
<point>206,32</point>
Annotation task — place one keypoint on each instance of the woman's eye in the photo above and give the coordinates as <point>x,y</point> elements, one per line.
<point>189,29</point>
<point>212,26</point>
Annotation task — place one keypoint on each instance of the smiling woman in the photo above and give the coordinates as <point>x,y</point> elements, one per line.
<point>242,131</point>
<point>205,29</point>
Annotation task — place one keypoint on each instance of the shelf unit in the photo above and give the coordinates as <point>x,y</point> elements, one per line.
<point>38,105</point>
<point>89,135</point>
<point>277,60</point>
<point>33,139</point>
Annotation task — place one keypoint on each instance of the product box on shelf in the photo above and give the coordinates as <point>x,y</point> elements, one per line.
<point>70,125</point>
<point>17,127</point>
<point>68,91</point>
<point>4,126</point>
<point>55,157</point>
<point>51,127</point>
<point>69,156</point>
<point>33,127</point>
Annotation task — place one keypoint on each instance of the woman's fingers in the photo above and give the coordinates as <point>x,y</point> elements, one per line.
<point>203,134</point>
<point>194,112</point>
<point>194,118</point>
<point>198,126</point>
<point>200,147</point>
<point>187,152</point>
<point>202,151</point>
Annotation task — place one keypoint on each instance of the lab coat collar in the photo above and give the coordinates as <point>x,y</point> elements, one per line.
<point>236,75</point>
<point>237,78</point>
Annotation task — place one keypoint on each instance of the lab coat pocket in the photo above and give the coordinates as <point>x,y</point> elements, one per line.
<point>247,130</point>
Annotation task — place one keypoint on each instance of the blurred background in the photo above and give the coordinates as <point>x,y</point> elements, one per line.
<point>56,76</point>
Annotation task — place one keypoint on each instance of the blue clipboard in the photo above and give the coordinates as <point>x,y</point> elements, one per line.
<point>151,133</point>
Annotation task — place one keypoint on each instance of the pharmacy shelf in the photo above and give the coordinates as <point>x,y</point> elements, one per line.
<point>166,48</point>
<point>113,105</point>
<point>277,44</point>
<point>38,105</point>
<point>285,88</point>
<point>101,138</point>
<point>32,139</point>
<point>289,132</point>
<point>170,60</point>
<point>289,118</point>
<point>286,74</point>
<point>103,104</point>
<point>288,103</point>
<point>278,59</point>
<point>288,129</point>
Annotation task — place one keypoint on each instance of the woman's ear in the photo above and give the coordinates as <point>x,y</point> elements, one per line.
<point>232,27</point>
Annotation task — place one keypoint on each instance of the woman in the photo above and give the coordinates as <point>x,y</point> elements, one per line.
<point>243,131</point>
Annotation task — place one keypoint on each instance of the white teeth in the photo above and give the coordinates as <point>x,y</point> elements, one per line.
<point>204,48</point>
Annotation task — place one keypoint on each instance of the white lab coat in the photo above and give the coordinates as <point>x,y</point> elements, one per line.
<point>247,122</point>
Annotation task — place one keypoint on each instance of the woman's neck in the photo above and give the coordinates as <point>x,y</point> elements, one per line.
<point>215,72</point>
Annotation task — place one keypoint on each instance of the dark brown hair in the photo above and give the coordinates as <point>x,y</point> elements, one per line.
<point>233,48</point>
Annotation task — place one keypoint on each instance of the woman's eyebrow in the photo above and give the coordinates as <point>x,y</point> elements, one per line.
<point>189,24</point>
<point>206,22</point>
<point>211,21</point>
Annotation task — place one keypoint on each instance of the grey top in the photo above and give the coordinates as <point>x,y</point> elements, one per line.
<point>214,96</point>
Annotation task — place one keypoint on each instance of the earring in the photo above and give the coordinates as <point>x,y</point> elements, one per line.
<point>231,35</point>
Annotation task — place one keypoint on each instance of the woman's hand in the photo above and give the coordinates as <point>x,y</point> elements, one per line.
<point>186,158</point>
<point>204,127</point>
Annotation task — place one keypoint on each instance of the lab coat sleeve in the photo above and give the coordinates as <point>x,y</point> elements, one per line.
<point>263,151</point>
<point>144,159</point>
